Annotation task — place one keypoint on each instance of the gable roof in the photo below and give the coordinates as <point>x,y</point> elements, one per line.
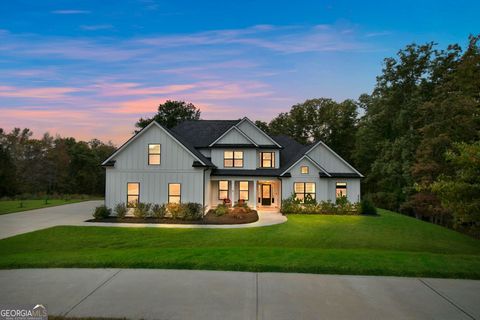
<point>237,130</point>
<point>187,146</point>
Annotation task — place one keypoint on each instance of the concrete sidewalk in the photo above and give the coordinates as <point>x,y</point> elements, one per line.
<point>185,294</point>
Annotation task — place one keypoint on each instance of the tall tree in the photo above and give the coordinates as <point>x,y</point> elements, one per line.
<point>170,113</point>
<point>320,119</point>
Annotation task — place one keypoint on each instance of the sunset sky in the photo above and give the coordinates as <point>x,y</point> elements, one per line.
<point>92,68</point>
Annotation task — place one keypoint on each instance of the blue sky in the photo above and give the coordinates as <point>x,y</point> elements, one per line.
<point>92,68</point>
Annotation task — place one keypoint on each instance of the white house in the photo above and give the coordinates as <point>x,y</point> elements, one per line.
<point>206,161</point>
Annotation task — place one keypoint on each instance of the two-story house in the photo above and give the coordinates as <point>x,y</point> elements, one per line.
<point>206,161</point>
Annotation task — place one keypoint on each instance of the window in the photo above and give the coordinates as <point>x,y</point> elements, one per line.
<point>341,189</point>
<point>233,159</point>
<point>267,159</point>
<point>304,190</point>
<point>243,190</point>
<point>154,154</point>
<point>304,169</point>
<point>133,194</point>
<point>174,192</point>
<point>222,189</point>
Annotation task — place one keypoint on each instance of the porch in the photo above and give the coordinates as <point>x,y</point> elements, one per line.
<point>261,194</point>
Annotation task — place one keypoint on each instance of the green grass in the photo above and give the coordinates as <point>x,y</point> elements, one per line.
<point>390,244</point>
<point>11,206</point>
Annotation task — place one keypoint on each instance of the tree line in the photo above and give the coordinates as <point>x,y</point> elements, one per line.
<point>50,165</point>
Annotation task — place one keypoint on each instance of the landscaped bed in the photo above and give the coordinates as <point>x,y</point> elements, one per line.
<point>209,218</point>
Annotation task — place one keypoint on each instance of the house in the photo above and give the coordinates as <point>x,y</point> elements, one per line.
<point>207,161</point>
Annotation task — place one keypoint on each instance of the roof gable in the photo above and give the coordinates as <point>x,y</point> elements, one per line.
<point>330,160</point>
<point>234,136</point>
<point>184,145</point>
<point>255,133</point>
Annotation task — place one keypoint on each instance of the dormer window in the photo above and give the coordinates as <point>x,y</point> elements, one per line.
<point>154,154</point>
<point>267,159</point>
<point>233,159</point>
<point>304,169</point>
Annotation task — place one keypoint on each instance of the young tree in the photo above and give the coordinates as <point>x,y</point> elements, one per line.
<point>170,113</point>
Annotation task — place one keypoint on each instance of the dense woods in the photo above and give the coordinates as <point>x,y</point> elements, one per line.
<point>50,165</point>
<point>415,138</point>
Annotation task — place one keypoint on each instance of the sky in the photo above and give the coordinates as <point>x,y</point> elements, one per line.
<point>91,69</point>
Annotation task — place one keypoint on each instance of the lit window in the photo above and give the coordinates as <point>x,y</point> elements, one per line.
<point>222,189</point>
<point>341,189</point>
<point>304,169</point>
<point>153,154</point>
<point>304,190</point>
<point>267,159</point>
<point>174,192</point>
<point>133,194</point>
<point>233,159</point>
<point>243,190</point>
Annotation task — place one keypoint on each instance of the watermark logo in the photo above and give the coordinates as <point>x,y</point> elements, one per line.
<point>37,312</point>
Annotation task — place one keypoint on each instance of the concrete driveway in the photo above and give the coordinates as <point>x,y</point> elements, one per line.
<point>70,214</point>
<point>75,215</point>
<point>186,294</point>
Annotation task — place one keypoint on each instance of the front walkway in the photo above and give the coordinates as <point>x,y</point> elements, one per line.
<point>75,215</point>
<point>186,294</point>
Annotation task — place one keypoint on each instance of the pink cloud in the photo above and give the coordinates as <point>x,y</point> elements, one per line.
<point>39,93</point>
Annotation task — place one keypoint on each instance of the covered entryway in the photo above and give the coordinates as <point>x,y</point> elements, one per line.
<point>269,194</point>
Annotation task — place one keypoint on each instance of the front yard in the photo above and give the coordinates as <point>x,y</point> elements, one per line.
<point>390,244</point>
<point>11,206</point>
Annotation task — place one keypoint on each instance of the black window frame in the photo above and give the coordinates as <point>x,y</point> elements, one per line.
<point>233,159</point>
<point>240,189</point>
<point>154,154</point>
<point>312,194</point>
<point>272,159</point>
<point>179,195</point>
<point>133,195</point>
<point>227,190</point>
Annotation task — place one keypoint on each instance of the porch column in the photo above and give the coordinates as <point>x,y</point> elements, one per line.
<point>232,191</point>
<point>254,194</point>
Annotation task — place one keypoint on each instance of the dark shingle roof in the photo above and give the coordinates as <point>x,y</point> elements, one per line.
<point>201,133</point>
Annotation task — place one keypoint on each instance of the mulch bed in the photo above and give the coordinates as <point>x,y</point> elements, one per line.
<point>209,218</point>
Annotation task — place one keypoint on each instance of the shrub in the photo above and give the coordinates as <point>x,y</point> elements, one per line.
<point>159,210</point>
<point>242,204</point>
<point>220,210</point>
<point>142,210</point>
<point>120,210</point>
<point>367,207</point>
<point>176,210</point>
<point>291,205</point>
<point>101,212</point>
<point>194,211</point>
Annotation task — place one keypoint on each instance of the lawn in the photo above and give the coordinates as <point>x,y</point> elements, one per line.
<point>390,244</point>
<point>10,206</point>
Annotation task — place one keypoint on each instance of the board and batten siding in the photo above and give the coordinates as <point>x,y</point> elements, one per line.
<point>353,188</point>
<point>328,160</point>
<point>249,157</point>
<point>321,185</point>
<point>233,137</point>
<point>132,166</point>
<point>254,133</point>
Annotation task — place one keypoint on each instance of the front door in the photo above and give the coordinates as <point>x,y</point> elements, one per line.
<point>266,194</point>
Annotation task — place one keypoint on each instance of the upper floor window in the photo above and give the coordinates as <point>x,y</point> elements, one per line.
<point>304,169</point>
<point>133,194</point>
<point>233,159</point>
<point>222,189</point>
<point>174,192</point>
<point>304,190</point>
<point>267,159</point>
<point>154,154</point>
<point>341,189</point>
<point>243,193</point>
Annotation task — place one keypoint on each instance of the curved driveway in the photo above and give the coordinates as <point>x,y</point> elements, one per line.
<point>76,213</point>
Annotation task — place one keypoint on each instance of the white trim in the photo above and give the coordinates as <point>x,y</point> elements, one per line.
<point>343,160</point>
<point>144,130</point>
<point>311,160</point>
<point>266,135</point>
<point>239,131</point>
